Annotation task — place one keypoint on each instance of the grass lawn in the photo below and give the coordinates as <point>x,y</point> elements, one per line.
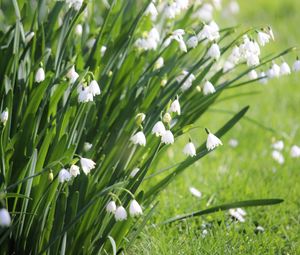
<point>245,172</point>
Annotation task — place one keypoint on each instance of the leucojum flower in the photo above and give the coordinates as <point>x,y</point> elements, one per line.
<point>4,116</point>
<point>5,219</point>
<point>111,207</point>
<point>64,175</point>
<point>135,209</point>
<point>139,138</point>
<point>40,75</point>
<point>189,149</point>
<point>120,213</point>
<point>87,165</point>
<point>212,141</point>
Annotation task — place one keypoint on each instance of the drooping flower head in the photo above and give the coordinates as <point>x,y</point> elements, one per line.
<point>212,141</point>
<point>120,213</point>
<point>87,165</point>
<point>135,209</point>
<point>139,138</point>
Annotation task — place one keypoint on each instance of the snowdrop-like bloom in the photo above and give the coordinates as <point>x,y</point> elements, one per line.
<point>87,165</point>
<point>263,38</point>
<point>139,138</point>
<point>189,149</point>
<point>205,13</point>
<point>234,7</point>
<point>285,69</point>
<point>274,71</point>
<point>29,37</point>
<point>120,214</point>
<point>74,170</point>
<point>263,78</point>
<point>192,42</point>
<point>167,137</point>
<point>214,51</point>
<point>209,32</point>
<point>5,219</point>
<point>158,129</point>
<point>233,143</point>
<point>135,209</point>
<point>253,75</point>
<point>238,214</point>
<point>212,141</point>
<point>170,11</point>
<point>177,35</point>
<point>175,107</point>
<point>85,95</point>
<point>78,29</point>
<point>278,157</point>
<point>278,145</point>
<point>228,65</point>
<point>208,88</point>
<point>152,11</point>
<point>4,116</point>
<point>103,50</point>
<point>134,172</point>
<point>64,176</point>
<point>111,207</point>
<point>296,65</point>
<point>295,151</point>
<point>40,75</point>
<point>76,4</point>
<point>150,40</point>
<point>188,82</point>
<point>72,74</point>
<point>94,88</point>
<point>87,146</point>
<point>159,63</point>
<point>195,192</point>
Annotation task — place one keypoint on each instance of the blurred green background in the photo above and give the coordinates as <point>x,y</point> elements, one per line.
<point>247,171</point>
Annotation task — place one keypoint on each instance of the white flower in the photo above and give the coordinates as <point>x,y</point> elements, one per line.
<point>76,4</point>
<point>205,13</point>
<point>192,42</point>
<point>170,11</point>
<point>279,145</point>
<point>150,41</point>
<point>253,60</point>
<point>260,229</point>
<point>214,51</point>
<point>5,219</point>
<point>78,29</point>
<point>64,175</point>
<point>274,71</point>
<point>270,31</point>
<point>238,214</point>
<point>134,172</point>
<point>228,65</point>
<point>91,42</point>
<point>182,4</point>
<point>175,107</point>
<point>278,157</point>
<point>296,65</point>
<point>139,138</point>
<point>208,88</point>
<point>135,209</point>
<point>285,69</point>
<point>295,151</point>
<point>167,137</point>
<point>195,192</point>
<point>158,129</point>
<point>120,214</point>
<point>188,82</point>
<point>29,37</point>
<point>212,141</point>
<point>94,88</point>
<point>263,38</point>
<point>152,11</point>
<point>233,143</point>
<point>111,207</point>
<point>87,165</point>
<point>263,78</point>
<point>234,7</point>
<point>189,149</point>
<point>72,74</point>
<point>4,116</point>
<point>85,95</point>
<point>253,75</point>
<point>87,146</point>
<point>177,35</point>
<point>74,170</point>
<point>40,75</point>
<point>159,63</point>
<point>209,32</point>
<point>103,50</point>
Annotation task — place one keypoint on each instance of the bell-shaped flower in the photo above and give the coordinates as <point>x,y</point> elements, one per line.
<point>135,209</point>
<point>167,137</point>
<point>64,176</point>
<point>139,138</point>
<point>120,213</point>
<point>189,149</point>
<point>158,129</point>
<point>87,165</point>
<point>111,207</point>
<point>212,141</point>
<point>5,219</point>
<point>40,75</point>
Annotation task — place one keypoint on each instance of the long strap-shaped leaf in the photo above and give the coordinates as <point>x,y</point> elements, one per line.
<point>246,203</point>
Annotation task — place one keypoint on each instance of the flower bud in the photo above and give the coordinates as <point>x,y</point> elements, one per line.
<point>50,176</point>
<point>167,118</point>
<point>139,118</point>
<point>163,82</point>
